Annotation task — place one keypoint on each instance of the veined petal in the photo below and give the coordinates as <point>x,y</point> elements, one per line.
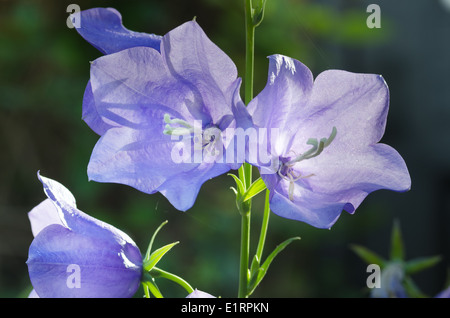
<point>338,183</point>
<point>282,101</point>
<point>351,175</point>
<point>135,158</point>
<point>356,104</point>
<point>314,209</point>
<point>128,84</point>
<point>90,114</point>
<point>74,219</point>
<point>103,28</point>
<point>182,189</point>
<point>195,60</point>
<point>64,263</point>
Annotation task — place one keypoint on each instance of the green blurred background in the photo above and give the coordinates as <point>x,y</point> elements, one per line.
<point>44,67</point>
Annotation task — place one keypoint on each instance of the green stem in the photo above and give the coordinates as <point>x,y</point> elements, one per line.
<point>249,52</point>
<point>157,272</point>
<point>264,226</point>
<point>245,249</point>
<point>245,172</point>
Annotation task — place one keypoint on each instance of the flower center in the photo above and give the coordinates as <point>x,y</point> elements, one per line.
<point>286,169</point>
<point>208,139</point>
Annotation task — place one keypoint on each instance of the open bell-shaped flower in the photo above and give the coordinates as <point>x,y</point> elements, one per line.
<point>76,255</point>
<point>163,115</point>
<point>324,150</point>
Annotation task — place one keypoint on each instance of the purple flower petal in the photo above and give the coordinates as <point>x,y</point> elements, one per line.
<point>129,156</point>
<point>42,216</point>
<point>356,104</point>
<point>183,200</point>
<point>129,86</point>
<point>195,60</point>
<point>316,188</point>
<point>104,261</point>
<point>283,100</point>
<point>102,27</point>
<point>90,113</point>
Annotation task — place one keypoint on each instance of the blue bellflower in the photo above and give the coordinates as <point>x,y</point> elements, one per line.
<point>162,114</point>
<point>75,255</point>
<point>324,150</point>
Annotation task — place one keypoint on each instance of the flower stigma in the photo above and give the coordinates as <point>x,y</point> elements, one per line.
<point>286,169</point>
<point>176,126</point>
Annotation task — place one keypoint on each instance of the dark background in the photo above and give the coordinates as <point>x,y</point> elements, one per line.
<point>44,67</point>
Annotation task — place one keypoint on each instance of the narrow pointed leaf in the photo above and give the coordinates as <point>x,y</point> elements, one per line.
<point>261,272</point>
<point>153,289</point>
<point>254,281</point>
<point>147,255</point>
<point>419,264</point>
<point>156,256</point>
<point>367,255</point>
<point>255,188</point>
<point>276,251</point>
<point>397,249</point>
<point>240,186</point>
<point>411,289</point>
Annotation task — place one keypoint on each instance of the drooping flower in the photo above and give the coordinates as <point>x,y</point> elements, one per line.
<point>167,113</point>
<point>103,28</point>
<point>324,150</point>
<point>76,255</point>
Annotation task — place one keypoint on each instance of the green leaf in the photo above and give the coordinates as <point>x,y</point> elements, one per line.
<point>256,187</point>
<point>240,186</point>
<point>147,255</point>
<point>419,264</point>
<point>367,255</point>
<point>255,265</point>
<point>397,249</point>
<point>411,289</point>
<point>258,12</point>
<point>254,281</point>
<point>156,256</point>
<point>277,250</point>
<point>261,272</point>
<point>152,288</point>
